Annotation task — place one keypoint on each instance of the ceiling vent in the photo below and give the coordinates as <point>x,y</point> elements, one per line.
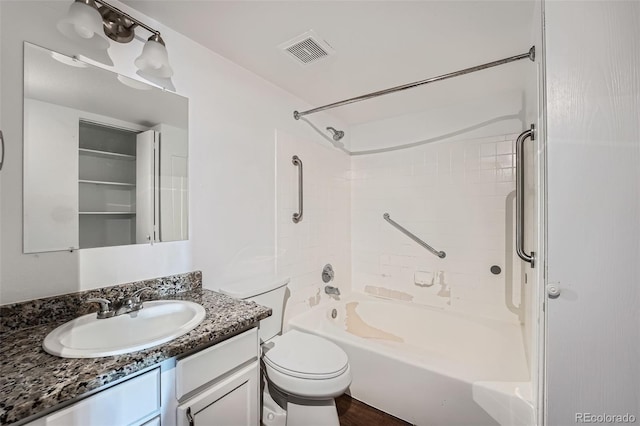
<point>307,48</point>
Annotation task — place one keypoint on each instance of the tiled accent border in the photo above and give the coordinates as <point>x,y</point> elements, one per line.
<point>65,307</point>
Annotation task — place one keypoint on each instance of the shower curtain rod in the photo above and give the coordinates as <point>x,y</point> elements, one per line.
<point>531,54</point>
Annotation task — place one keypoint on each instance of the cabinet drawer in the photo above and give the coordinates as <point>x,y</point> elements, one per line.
<point>123,404</point>
<point>207,365</point>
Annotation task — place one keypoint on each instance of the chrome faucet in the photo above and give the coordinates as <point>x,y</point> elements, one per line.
<point>121,306</point>
<point>332,290</point>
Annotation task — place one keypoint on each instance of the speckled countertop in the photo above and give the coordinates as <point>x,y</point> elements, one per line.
<point>32,381</point>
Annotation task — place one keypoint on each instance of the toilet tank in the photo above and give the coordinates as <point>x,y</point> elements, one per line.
<point>265,292</point>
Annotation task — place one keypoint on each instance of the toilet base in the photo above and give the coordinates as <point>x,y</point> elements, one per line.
<point>272,413</point>
<point>299,412</point>
<point>315,413</point>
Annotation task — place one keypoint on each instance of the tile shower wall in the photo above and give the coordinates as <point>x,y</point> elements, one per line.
<point>324,234</point>
<point>458,197</point>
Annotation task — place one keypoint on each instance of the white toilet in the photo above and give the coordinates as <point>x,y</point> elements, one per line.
<point>304,372</point>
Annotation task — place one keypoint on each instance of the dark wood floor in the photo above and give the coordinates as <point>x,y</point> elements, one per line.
<point>355,413</point>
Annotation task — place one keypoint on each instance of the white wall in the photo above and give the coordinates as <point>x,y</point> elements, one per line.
<point>232,117</point>
<point>593,116</point>
<point>324,234</point>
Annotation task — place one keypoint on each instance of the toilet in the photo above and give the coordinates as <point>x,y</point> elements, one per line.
<point>302,372</point>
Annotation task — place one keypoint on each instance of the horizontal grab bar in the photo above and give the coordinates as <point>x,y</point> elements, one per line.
<point>440,254</point>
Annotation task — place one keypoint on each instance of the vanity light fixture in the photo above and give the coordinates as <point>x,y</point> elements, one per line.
<point>90,22</point>
<point>83,24</point>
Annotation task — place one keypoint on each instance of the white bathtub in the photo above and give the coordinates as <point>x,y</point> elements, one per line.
<point>428,366</point>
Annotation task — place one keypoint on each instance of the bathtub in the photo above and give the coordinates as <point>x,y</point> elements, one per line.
<point>428,366</point>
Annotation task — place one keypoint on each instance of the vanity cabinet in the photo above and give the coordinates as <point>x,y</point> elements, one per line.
<point>133,402</point>
<point>218,385</point>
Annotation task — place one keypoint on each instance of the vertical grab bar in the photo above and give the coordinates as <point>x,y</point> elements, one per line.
<point>297,217</point>
<point>1,147</point>
<point>520,196</point>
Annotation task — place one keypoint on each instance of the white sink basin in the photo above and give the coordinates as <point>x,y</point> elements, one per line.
<point>158,322</point>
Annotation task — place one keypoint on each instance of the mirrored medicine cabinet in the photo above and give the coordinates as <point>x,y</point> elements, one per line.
<point>105,157</point>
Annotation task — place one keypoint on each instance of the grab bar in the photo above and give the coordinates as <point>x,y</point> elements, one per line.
<point>1,147</point>
<point>440,254</point>
<point>520,196</point>
<point>297,217</point>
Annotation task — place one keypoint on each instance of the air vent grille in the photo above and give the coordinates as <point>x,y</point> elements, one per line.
<point>307,48</point>
<point>307,51</point>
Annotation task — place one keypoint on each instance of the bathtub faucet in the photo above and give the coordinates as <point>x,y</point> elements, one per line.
<point>332,290</point>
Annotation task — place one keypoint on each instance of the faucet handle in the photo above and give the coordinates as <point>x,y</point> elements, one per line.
<point>136,295</point>
<point>105,306</point>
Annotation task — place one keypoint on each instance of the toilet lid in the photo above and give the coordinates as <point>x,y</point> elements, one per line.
<point>306,356</point>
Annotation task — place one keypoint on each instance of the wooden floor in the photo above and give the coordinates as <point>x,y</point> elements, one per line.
<point>355,413</point>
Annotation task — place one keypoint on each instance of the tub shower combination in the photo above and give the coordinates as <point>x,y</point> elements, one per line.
<point>424,364</point>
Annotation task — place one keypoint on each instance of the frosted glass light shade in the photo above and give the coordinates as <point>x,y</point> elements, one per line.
<point>83,24</point>
<point>154,60</point>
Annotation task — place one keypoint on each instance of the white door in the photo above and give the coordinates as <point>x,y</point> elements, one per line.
<point>145,186</point>
<point>593,128</point>
<point>231,402</point>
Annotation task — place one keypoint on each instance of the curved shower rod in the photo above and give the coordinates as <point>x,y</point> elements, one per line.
<point>531,54</point>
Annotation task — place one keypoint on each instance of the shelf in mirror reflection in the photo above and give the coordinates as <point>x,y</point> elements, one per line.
<point>106,154</point>
<point>100,182</point>
<point>108,213</point>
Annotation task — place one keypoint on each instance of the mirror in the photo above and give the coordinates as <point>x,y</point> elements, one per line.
<point>105,157</point>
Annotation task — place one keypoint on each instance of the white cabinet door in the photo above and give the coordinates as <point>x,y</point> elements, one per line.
<point>231,402</point>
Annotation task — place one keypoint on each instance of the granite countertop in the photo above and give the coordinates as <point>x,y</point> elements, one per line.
<point>32,381</point>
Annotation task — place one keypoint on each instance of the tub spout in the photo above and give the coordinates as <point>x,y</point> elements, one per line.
<point>332,290</point>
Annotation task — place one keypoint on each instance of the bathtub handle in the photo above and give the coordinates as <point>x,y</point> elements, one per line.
<point>520,196</point>
<point>297,217</point>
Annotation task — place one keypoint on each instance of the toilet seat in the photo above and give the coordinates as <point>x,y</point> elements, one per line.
<point>306,356</point>
<point>320,389</point>
<point>306,365</point>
